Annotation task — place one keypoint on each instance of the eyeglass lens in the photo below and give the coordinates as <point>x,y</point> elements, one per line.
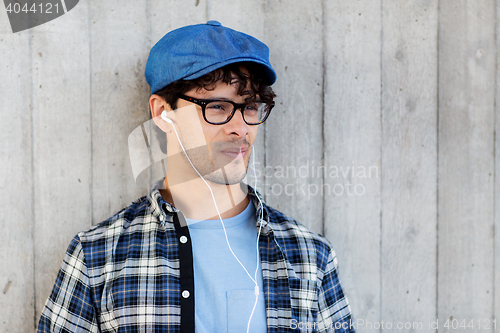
<point>220,111</point>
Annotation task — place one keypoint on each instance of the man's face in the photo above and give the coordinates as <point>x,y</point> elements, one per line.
<point>220,153</point>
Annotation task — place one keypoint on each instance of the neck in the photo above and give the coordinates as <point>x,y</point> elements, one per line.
<point>194,199</point>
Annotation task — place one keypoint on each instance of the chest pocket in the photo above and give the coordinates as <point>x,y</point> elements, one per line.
<point>304,301</point>
<point>239,308</point>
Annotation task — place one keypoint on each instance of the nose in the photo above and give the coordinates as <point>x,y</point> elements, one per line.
<point>237,125</point>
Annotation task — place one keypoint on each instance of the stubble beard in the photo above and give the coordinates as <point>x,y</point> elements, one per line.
<point>217,170</point>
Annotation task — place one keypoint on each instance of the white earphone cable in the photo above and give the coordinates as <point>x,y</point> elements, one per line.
<point>254,280</point>
<point>258,236</point>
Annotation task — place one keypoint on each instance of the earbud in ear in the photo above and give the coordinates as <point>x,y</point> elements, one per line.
<point>164,117</point>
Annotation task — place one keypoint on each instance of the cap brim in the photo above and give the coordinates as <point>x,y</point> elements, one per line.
<point>269,73</point>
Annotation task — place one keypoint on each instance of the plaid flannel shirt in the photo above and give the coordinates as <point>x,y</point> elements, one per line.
<point>133,273</point>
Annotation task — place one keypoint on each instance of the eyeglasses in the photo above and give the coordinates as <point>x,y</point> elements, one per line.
<point>219,111</point>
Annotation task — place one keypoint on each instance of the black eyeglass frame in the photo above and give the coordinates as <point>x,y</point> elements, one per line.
<point>236,106</point>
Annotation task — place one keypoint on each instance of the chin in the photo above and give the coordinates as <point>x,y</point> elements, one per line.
<point>231,175</point>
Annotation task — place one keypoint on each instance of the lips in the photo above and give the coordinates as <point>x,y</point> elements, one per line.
<point>234,152</point>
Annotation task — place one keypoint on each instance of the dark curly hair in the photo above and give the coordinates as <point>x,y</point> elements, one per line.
<point>254,76</point>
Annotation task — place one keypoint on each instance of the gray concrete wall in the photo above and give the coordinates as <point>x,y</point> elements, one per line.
<point>383,139</point>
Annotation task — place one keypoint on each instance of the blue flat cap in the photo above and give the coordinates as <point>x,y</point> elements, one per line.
<point>190,52</point>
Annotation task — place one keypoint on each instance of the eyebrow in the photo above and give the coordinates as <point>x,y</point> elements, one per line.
<point>235,79</point>
<point>224,99</point>
<point>220,98</point>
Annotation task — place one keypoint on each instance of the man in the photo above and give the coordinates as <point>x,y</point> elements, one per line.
<point>201,252</point>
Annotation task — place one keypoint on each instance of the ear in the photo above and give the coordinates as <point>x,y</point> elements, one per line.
<point>157,105</point>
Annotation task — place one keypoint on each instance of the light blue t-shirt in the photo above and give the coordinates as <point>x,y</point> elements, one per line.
<point>224,294</point>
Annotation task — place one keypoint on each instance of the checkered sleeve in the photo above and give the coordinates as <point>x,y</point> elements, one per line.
<point>69,307</point>
<point>334,312</point>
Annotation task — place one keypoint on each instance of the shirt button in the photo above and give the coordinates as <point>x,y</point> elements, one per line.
<point>169,208</point>
<point>183,239</point>
<point>185,294</point>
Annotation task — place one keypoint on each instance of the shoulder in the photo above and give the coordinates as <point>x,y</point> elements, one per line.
<point>123,219</point>
<point>301,246</point>
<point>99,242</point>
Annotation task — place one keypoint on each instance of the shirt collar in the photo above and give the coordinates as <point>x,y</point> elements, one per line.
<point>164,211</point>
<point>261,210</point>
<point>161,209</point>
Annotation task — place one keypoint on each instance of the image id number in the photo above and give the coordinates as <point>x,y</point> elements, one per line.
<point>42,8</point>
<point>455,324</point>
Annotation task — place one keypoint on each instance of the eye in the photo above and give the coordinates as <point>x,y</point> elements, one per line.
<point>217,106</point>
<point>251,107</point>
